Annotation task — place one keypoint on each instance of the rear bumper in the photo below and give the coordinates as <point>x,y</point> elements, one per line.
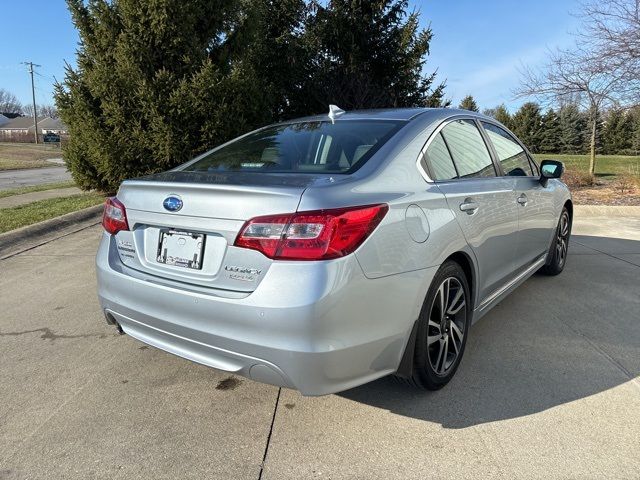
<point>317,327</point>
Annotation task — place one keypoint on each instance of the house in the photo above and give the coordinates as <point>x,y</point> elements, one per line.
<point>22,128</point>
<point>3,119</point>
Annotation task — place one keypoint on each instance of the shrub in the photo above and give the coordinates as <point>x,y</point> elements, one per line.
<point>575,179</point>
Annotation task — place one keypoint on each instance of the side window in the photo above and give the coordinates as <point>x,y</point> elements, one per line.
<point>512,156</point>
<point>439,159</point>
<point>468,149</point>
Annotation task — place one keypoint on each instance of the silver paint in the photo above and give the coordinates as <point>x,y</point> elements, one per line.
<point>325,326</point>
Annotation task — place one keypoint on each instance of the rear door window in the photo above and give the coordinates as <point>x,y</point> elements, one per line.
<point>307,147</point>
<point>467,147</point>
<point>440,163</point>
<point>512,157</point>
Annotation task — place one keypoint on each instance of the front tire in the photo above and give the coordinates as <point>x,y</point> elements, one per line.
<point>443,328</point>
<point>557,256</point>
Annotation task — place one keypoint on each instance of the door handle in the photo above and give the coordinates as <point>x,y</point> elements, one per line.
<point>469,206</point>
<point>523,200</point>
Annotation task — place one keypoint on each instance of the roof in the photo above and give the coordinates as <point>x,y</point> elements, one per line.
<point>404,114</point>
<point>18,123</point>
<point>25,123</point>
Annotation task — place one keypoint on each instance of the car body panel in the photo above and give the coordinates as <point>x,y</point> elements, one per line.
<point>318,326</point>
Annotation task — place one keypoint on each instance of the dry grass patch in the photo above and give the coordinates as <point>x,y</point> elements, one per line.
<point>27,155</point>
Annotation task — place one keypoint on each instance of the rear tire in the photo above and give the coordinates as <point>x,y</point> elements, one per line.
<point>557,256</point>
<point>443,328</point>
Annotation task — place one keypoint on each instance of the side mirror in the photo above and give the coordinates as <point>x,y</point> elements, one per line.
<point>550,169</point>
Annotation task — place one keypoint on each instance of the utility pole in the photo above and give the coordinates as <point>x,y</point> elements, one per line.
<point>33,96</point>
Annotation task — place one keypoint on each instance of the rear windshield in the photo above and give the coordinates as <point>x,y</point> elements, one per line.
<point>313,147</point>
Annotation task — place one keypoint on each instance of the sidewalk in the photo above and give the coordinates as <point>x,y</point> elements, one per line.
<point>32,176</point>
<point>23,199</point>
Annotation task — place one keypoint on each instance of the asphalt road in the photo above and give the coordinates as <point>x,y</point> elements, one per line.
<point>549,388</point>
<point>32,176</point>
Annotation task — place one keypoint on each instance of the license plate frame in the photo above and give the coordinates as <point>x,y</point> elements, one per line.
<point>179,248</point>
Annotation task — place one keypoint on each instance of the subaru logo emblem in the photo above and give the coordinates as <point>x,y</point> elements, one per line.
<point>172,203</point>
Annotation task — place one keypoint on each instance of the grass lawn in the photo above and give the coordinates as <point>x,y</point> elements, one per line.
<point>27,155</point>
<point>606,165</point>
<point>16,217</point>
<point>36,188</point>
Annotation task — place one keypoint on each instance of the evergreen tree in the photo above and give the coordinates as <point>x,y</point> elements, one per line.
<point>271,40</point>
<point>550,137</point>
<point>527,125</point>
<point>367,54</point>
<point>617,132</point>
<point>634,114</point>
<point>587,140</point>
<point>160,81</point>
<point>153,86</point>
<point>468,103</point>
<point>573,126</point>
<point>501,114</point>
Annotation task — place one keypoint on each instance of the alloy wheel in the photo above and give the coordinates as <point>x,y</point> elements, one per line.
<point>562,240</point>
<point>447,320</point>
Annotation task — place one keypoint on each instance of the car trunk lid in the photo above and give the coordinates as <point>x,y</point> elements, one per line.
<point>200,234</point>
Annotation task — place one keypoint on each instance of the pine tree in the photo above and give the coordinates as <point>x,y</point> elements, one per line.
<point>550,137</point>
<point>635,135</point>
<point>366,54</point>
<point>617,132</point>
<point>152,87</point>
<point>527,125</point>
<point>587,140</point>
<point>573,126</point>
<point>160,81</point>
<point>501,114</point>
<point>468,103</point>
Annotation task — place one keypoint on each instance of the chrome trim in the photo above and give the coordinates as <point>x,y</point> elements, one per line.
<point>535,266</point>
<point>433,134</point>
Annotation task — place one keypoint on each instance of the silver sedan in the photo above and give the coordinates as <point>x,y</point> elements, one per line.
<point>325,252</point>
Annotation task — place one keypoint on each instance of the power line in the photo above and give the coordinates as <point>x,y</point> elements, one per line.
<point>33,96</point>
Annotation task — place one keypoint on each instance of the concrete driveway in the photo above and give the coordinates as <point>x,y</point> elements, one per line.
<point>549,388</point>
<point>32,176</point>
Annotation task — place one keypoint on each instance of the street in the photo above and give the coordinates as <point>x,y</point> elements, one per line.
<point>549,387</point>
<point>32,176</point>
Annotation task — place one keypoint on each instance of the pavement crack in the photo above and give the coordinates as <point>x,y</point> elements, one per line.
<point>48,334</point>
<point>632,378</point>
<point>266,447</point>
<point>607,254</point>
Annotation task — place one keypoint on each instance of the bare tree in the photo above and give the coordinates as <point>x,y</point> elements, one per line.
<point>8,102</point>
<point>611,29</point>
<point>43,111</point>
<point>578,75</point>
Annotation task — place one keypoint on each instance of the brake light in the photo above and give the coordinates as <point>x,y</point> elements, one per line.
<point>313,235</point>
<point>114,217</point>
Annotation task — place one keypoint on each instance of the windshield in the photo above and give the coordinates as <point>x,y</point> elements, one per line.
<point>314,147</point>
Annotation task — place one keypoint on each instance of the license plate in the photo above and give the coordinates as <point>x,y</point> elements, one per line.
<point>181,249</point>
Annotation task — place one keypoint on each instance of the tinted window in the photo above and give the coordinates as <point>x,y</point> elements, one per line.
<point>468,149</point>
<point>440,162</point>
<point>301,147</point>
<point>512,156</point>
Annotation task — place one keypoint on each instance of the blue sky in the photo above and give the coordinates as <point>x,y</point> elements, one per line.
<point>477,45</point>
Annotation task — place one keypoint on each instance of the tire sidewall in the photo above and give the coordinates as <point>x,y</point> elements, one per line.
<point>552,266</point>
<point>424,374</point>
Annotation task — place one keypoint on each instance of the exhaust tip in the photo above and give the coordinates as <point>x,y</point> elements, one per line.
<point>112,321</point>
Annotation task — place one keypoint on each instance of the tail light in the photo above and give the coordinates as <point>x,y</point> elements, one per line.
<point>114,217</point>
<point>313,235</point>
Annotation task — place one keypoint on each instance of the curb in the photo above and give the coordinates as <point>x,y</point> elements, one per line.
<point>586,211</point>
<point>31,236</point>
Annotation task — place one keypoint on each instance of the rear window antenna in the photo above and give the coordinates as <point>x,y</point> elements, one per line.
<point>334,112</point>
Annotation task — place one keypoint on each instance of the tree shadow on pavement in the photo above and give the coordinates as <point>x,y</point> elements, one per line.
<point>552,341</point>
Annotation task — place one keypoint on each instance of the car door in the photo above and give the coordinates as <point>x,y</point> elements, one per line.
<point>535,204</point>
<point>459,162</point>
